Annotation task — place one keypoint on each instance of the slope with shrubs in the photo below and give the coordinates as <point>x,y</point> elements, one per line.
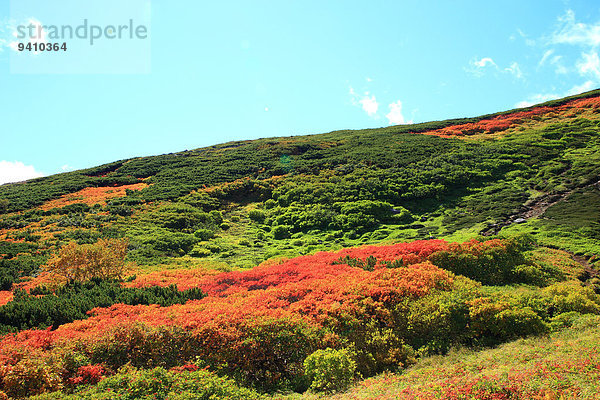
<point>241,203</point>
<point>261,326</point>
<point>134,279</point>
<point>563,365</point>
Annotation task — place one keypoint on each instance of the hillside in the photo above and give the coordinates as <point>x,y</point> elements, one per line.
<point>254,268</point>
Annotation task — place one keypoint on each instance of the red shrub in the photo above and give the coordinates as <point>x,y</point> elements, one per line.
<point>88,374</point>
<point>503,122</point>
<point>262,323</point>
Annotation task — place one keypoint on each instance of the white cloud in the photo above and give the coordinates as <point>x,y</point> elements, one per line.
<point>514,70</point>
<point>8,33</point>
<point>368,102</point>
<point>557,62</point>
<point>4,35</point>
<point>572,33</point>
<point>556,49</point>
<point>536,99</point>
<point>543,97</point>
<point>9,40</point>
<point>478,66</point>
<point>576,33</point>
<point>395,116</point>
<point>16,171</point>
<point>561,69</point>
<point>589,64</point>
<point>545,57</point>
<point>483,62</point>
<point>528,42</point>
<point>66,168</point>
<point>584,87</point>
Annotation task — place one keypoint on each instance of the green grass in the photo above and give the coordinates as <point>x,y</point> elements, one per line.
<point>579,212</point>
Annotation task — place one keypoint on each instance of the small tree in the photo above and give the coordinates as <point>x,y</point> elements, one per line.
<point>103,259</point>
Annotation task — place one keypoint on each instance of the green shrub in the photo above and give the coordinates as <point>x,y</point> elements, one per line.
<point>257,216</point>
<point>204,234</point>
<point>572,296</point>
<point>494,265</point>
<point>200,251</point>
<point>121,210</point>
<point>281,232</point>
<point>200,200</point>
<point>270,203</point>
<point>160,384</point>
<point>379,349</point>
<point>214,248</point>
<point>330,370</point>
<point>216,216</point>
<point>377,209</point>
<point>4,203</point>
<point>72,302</point>
<point>22,265</point>
<point>435,322</point>
<point>496,322</point>
<point>163,241</point>
<point>564,320</point>
<point>520,322</point>
<point>529,274</point>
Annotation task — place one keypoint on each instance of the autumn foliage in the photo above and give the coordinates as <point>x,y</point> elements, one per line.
<point>503,122</point>
<point>92,195</point>
<point>104,259</point>
<point>5,296</point>
<point>259,326</point>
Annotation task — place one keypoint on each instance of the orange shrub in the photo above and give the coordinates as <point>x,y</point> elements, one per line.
<point>259,325</point>
<point>92,195</point>
<point>503,122</point>
<point>5,296</point>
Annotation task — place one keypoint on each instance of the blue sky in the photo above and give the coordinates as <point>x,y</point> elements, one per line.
<point>229,70</point>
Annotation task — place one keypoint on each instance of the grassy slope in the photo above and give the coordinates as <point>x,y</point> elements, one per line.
<point>453,188</point>
<point>562,365</point>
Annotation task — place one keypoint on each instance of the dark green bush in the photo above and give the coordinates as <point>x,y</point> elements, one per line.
<point>13,269</point>
<point>204,234</point>
<point>73,301</point>
<point>257,215</point>
<point>281,232</point>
